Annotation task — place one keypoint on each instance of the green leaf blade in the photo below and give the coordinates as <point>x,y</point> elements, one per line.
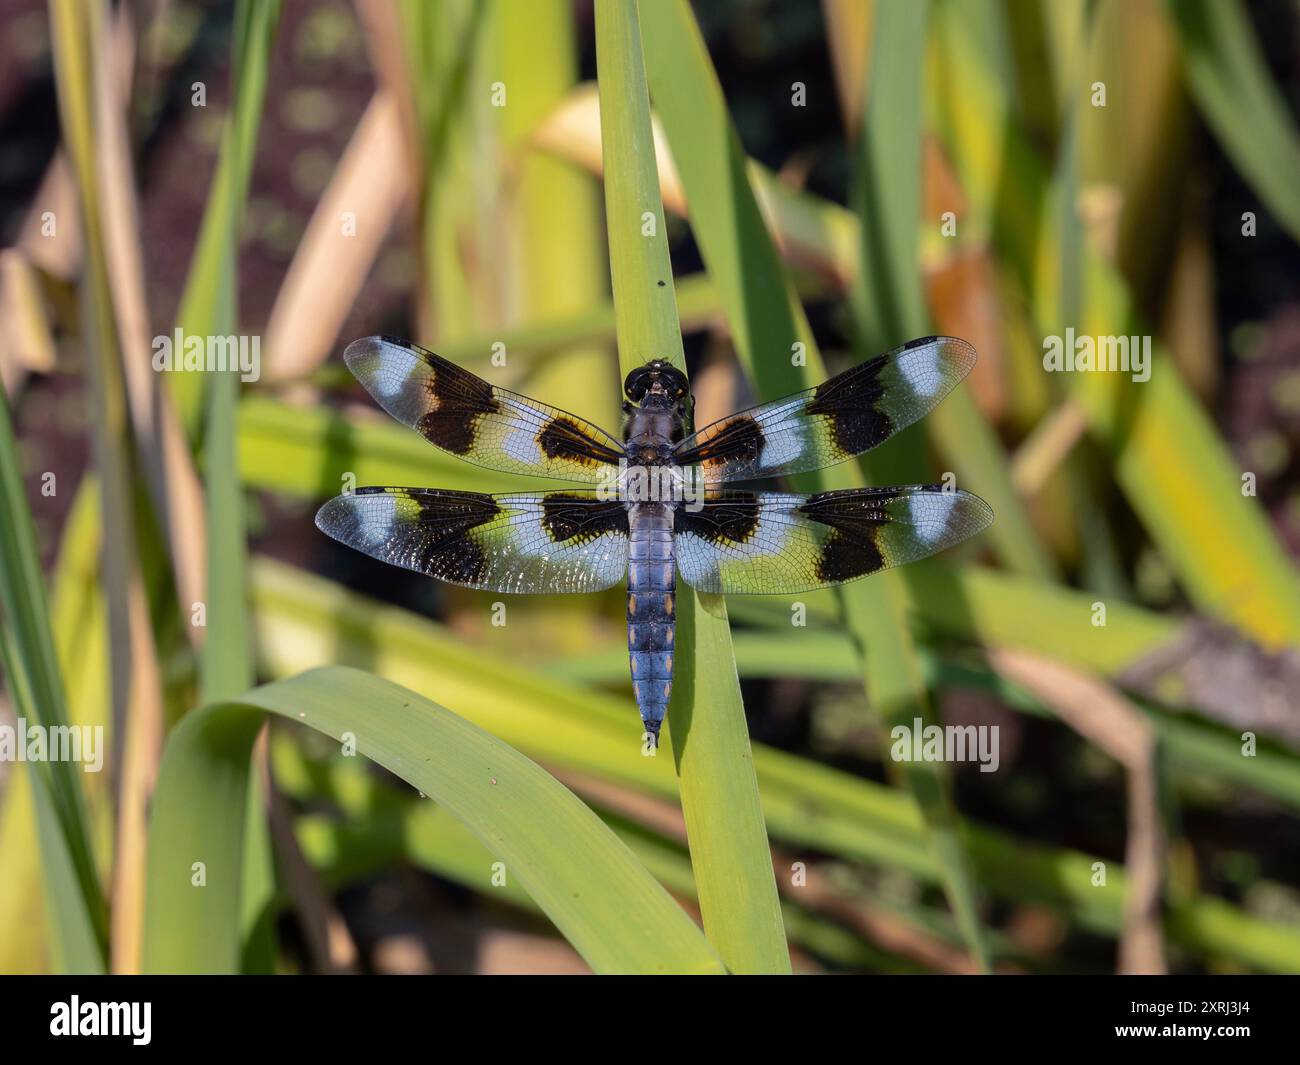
<point>75,900</point>
<point>770,328</point>
<point>719,789</point>
<point>585,879</point>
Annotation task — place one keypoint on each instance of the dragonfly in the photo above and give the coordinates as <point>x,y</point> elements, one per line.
<point>661,501</point>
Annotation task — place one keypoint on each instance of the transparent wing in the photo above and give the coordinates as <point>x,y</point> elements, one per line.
<point>765,543</point>
<point>525,542</point>
<point>466,416</point>
<point>844,416</point>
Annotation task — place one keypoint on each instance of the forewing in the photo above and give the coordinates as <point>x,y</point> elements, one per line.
<point>523,542</point>
<point>770,542</point>
<point>466,416</point>
<point>844,416</point>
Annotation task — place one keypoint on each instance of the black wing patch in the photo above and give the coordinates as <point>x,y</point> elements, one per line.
<point>844,416</point>
<point>525,542</point>
<point>466,416</point>
<point>773,542</point>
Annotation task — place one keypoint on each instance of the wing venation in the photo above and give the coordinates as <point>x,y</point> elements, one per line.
<point>844,416</point>
<point>466,416</point>
<point>524,542</point>
<point>763,543</point>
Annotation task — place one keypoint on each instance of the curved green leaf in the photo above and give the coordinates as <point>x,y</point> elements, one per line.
<point>582,876</point>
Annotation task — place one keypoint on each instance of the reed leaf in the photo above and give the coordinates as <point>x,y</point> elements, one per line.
<point>1229,79</point>
<point>551,212</point>
<point>226,660</point>
<point>211,280</point>
<point>719,791</point>
<point>304,621</point>
<point>770,333</point>
<point>1164,451</point>
<point>1194,748</point>
<point>381,826</point>
<point>583,878</point>
<point>76,914</point>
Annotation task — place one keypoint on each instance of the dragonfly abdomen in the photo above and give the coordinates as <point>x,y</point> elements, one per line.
<point>651,609</point>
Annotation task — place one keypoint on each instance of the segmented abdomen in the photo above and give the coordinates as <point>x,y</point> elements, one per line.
<point>651,587</point>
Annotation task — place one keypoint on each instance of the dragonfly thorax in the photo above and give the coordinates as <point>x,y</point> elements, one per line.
<point>651,434</point>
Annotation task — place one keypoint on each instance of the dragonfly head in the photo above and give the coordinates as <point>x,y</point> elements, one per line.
<point>658,383</point>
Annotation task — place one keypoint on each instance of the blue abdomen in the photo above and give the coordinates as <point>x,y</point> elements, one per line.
<point>651,588</point>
